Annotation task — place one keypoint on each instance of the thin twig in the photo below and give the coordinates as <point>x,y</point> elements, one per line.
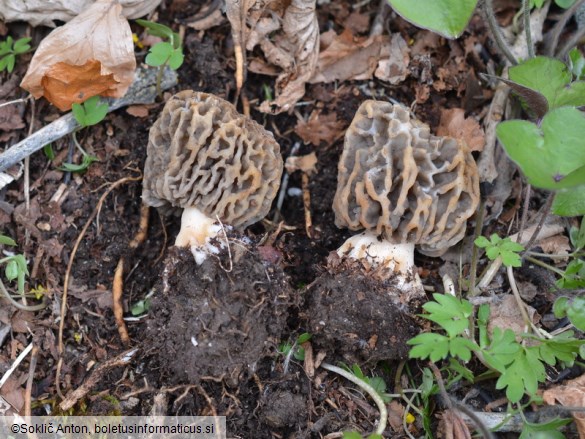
<point>545,212</point>
<point>60,345</point>
<point>521,305</point>
<point>29,382</point>
<point>526,17</point>
<point>525,209</point>
<point>497,32</point>
<point>475,251</point>
<point>571,42</point>
<point>366,388</point>
<point>18,360</point>
<point>557,30</point>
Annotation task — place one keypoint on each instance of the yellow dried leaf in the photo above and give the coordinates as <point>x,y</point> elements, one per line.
<point>91,55</point>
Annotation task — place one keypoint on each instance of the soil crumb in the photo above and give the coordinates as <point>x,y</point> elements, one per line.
<point>358,316</point>
<point>216,319</point>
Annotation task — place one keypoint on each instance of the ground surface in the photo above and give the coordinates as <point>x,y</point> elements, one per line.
<point>261,301</point>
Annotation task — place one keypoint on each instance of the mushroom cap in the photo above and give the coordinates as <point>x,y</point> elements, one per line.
<point>202,153</point>
<point>398,180</point>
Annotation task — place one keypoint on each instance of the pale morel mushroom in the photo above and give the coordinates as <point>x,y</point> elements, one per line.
<point>403,187</point>
<point>400,187</point>
<point>213,163</point>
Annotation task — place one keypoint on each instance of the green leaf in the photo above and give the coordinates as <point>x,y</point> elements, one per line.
<point>351,435</point>
<point>305,336</point>
<point>21,45</point>
<point>85,163</point>
<point>49,153</point>
<point>90,112</point>
<point>159,54</point>
<point>577,63</point>
<point>503,349</point>
<point>549,153</point>
<point>552,78</point>
<point>522,375</point>
<point>510,259</point>
<point>546,430</point>
<point>446,17</point>
<point>574,275</point>
<point>449,312</point>
<point>156,29</point>
<point>11,270</point>
<point>565,4</point>
<point>576,312</point>
<point>140,307</point>
<point>5,240</point>
<point>560,307</point>
<point>569,202</point>
<point>378,384</point>
<point>176,59</point>
<point>482,242</point>
<point>429,345</point>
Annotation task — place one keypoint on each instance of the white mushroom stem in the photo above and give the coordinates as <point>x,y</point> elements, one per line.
<point>374,251</point>
<point>197,229</point>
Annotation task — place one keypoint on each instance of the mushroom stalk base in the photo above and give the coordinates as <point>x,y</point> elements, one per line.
<point>376,252</point>
<point>197,229</point>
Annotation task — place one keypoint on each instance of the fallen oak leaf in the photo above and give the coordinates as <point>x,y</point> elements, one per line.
<point>91,55</point>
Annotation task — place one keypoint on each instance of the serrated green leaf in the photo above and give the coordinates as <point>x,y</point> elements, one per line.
<point>446,17</point>
<point>492,252</point>
<point>510,259</point>
<point>569,202</point>
<point>458,368</point>
<point>502,350</point>
<point>482,242</point>
<point>11,270</point>
<point>461,348</point>
<point>351,435</point>
<point>574,275</point>
<point>21,45</point>
<point>550,153</point>
<point>10,61</point>
<point>522,375</point>
<point>378,384</point>
<point>435,346</point>
<point>5,240</point>
<point>511,246</point>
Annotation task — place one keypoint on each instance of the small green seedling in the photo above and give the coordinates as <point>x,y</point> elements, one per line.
<point>88,113</point>
<point>574,309</point>
<point>9,49</point>
<point>377,383</point>
<point>504,248</point>
<point>356,435</point>
<point>166,53</point>
<point>299,352</point>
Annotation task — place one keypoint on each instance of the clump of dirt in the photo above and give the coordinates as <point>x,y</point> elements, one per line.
<point>358,315</point>
<point>218,318</point>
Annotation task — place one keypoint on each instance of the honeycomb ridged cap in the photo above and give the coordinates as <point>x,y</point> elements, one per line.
<point>202,153</point>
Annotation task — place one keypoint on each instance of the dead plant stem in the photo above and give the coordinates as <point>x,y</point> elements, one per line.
<point>527,30</point>
<point>488,8</point>
<point>557,30</point>
<point>545,212</point>
<point>60,345</point>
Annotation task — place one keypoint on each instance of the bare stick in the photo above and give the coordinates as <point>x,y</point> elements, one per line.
<point>497,32</point>
<point>142,91</point>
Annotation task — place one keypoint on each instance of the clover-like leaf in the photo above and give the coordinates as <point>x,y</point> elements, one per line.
<point>446,17</point>
<point>159,54</point>
<point>552,78</point>
<point>552,155</point>
<point>89,112</point>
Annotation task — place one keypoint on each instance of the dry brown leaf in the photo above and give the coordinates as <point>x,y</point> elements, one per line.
<point>454,124</point>
<point>320,128</point>
<point>395,414</point>
<point>91,55</point>
<point>572,394</point>
<point>558,245</point>
<point>306,163</point>
<point>10,118</point>
<point>346,57</point>
<point>287,33</point>
<point>505,314</point>
<point>137,110</point>
<point>44,12</point>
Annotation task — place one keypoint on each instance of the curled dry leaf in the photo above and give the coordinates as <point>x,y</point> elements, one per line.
<point>288,35</point>
<point>45,12</point>
<point>506,314</point>
<point>346,57</point>
<point>320,128</point>
<point>454,124</point>
<point>91,55</point>
<point>571,394</point>
<point>306,163</point>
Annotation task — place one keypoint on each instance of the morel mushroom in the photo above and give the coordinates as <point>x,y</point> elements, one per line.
<point>404,186</point>
<point>212,162</point>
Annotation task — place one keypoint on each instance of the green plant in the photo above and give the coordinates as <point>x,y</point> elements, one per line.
<point>298,352</point>
<point>520,365</point>
<point>15,268</point>
<point>9,49</point>
<point>356,435</point>
<point>169,52</point>
<point>88,113</point>
<point>505,248</point>
<point>377,383</point>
